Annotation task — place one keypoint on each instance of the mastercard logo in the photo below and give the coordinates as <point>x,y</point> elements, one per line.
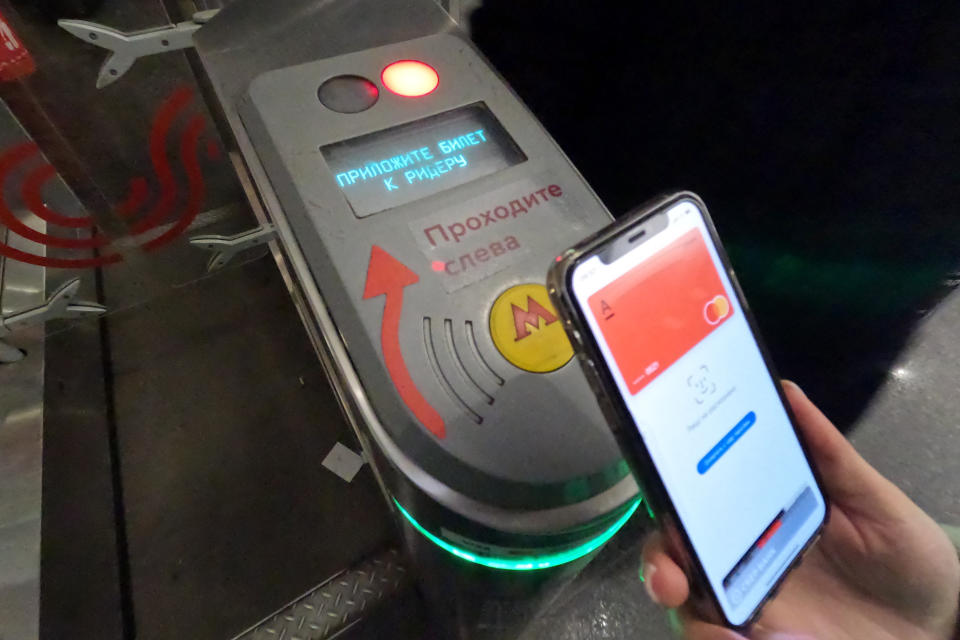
<point>716,310</point>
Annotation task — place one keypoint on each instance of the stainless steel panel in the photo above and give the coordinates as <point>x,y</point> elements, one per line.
<point>21,452</point>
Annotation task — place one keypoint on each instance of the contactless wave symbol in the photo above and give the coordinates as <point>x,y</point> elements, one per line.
<point>132,210</point>
<point>463,373</point>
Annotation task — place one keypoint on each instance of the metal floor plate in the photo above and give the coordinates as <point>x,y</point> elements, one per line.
<point>337,604</point>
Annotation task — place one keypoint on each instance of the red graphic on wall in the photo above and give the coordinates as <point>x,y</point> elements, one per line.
<point>132,209</point>
<point>387,276</point>
<point>15,61</point>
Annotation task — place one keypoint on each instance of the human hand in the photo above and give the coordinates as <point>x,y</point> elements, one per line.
<point>883,569</point>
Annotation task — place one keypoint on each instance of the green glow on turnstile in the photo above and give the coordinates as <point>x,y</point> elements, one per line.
<point>529,563</point>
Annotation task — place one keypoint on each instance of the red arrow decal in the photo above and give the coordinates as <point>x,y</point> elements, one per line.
<point>387,276</point>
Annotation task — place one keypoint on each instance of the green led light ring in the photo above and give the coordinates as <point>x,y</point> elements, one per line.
<point>531,563</point>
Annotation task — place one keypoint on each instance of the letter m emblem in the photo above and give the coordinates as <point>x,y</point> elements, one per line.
<point>524,319</point>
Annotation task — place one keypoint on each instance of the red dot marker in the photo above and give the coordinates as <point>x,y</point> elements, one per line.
<point>438,265</point>
<point>410,78</point>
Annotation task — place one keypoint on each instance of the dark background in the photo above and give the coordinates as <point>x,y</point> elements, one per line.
<point>825,139</point>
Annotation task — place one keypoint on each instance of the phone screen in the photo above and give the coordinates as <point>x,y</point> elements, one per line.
<point>674,336</point>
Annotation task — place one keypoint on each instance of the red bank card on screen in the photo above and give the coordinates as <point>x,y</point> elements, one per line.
<point>660,309</point>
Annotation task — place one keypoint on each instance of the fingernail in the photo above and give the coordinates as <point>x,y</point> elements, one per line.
<point>648,571</point>
<point>793,385</point>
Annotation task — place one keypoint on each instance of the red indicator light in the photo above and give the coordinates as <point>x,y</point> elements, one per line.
<point>438,265</point>
<point>410,78</point>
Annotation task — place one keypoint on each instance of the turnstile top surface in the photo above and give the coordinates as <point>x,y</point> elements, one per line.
<point>522,436</point>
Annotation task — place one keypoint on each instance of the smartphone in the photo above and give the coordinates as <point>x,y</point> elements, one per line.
<point>666,338</point>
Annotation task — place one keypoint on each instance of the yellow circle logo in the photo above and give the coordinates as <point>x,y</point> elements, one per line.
<point>527,331</point>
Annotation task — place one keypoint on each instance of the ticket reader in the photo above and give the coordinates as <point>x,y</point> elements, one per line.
<point>419,204</point>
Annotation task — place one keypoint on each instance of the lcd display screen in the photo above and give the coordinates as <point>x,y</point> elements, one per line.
<point>381,170</point>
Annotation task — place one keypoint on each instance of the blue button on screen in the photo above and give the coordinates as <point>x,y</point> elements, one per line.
<point>726,442</point>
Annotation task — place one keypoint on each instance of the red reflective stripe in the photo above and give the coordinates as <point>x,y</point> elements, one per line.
<point>31,192</point>
<point>10,159</point>
<point>136,196</point>
<point>196,188</point>
<point>161,164</point>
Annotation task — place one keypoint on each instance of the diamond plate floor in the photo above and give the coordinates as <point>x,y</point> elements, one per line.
<point>338,603</point>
